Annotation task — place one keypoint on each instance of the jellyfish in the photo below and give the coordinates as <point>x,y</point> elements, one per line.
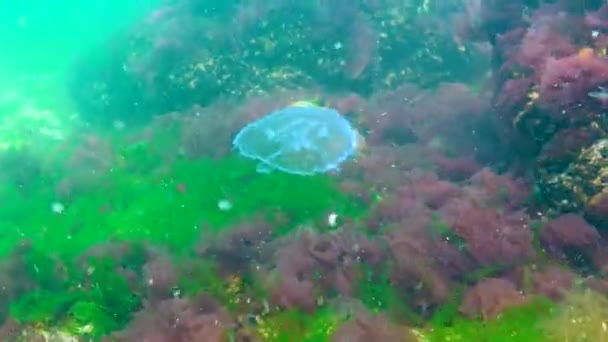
<point>301,139</point>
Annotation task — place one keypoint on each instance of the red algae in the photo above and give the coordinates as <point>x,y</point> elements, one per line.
<point>564,81</point>
<point>490,297</point>
<point>570,230</point>
<point>175,320</point>
<point>365,327</point>
<point>508,242</point>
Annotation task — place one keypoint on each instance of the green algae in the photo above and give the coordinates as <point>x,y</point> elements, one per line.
<point>88,319</point>
<point>98,297</point>
<point>111,290</point>
<point>515,324</point>
<point>293,325</point>
<point>167,210</point>
<point>40,306</point>
<point>204,277</point>
<point>377,293</point>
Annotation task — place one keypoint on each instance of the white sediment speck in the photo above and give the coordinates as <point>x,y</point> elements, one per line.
<point>57,207</point>
<point>332,219</point>
<point>224,205</point>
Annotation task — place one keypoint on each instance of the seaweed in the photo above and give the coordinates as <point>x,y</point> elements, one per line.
<point>293,325</point>
<point>520,323</point>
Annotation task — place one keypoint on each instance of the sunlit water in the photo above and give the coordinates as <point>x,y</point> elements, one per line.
<point>40,41</point>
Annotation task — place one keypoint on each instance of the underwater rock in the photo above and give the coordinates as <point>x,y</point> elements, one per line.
<point>550,100</point>
<point>564,147</point>
<point>185,57</point>
<point>581,186</point>
<point>298,140</point>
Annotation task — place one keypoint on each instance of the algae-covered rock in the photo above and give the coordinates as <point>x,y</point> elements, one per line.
<point>582,186</point>
<point>550,95</point>
<point>180,56</point>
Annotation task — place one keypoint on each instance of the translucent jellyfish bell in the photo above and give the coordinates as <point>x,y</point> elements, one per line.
<point>301,140</point>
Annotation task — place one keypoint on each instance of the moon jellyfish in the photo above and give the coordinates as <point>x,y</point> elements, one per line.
<point>301,140</point>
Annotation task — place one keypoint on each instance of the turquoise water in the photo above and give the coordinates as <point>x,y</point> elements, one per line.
<point>41,36</point>
<point>41,40</point>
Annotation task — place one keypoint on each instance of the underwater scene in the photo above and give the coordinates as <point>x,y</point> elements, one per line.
<point>290,170</point>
